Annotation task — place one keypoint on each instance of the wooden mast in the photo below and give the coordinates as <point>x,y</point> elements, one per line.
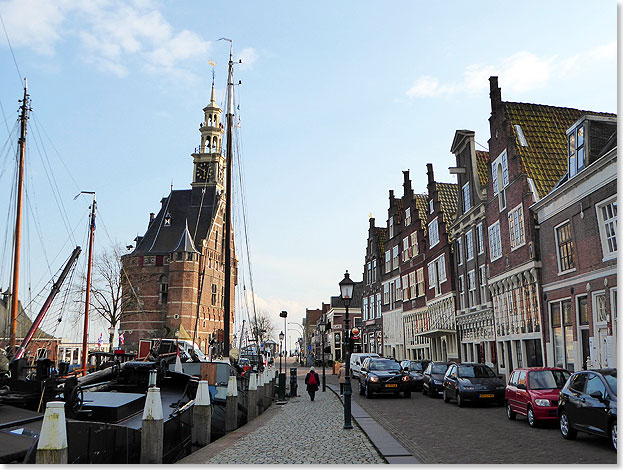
<point>228,194</point>
<point>85,332</point>
<point>18,218</point>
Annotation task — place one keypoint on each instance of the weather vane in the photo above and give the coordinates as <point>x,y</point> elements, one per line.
<point>212,64</point>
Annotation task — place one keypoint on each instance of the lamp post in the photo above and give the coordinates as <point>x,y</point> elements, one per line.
<point>323,328</point>
<point>346,293</point>
<point>282,376</point>
<point>111,336</point>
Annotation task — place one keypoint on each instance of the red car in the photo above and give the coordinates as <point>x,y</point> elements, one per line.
<point>533,392</point>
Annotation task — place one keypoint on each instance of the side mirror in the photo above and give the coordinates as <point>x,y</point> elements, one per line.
<point>596,395</point>
<point>521,386</point>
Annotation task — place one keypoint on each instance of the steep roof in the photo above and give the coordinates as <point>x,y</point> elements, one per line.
<point>186,242</point>
<point>381,235</point>
<point>185,208</point>
<point>482,160</point>
<point>447,193</point>
<point>337,302</point>
<point>421,202</point>
<point>544,159</point>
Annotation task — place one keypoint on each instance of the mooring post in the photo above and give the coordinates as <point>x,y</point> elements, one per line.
<point>152,431</point>
<point>52,446</point>
<point>260,393</point>
<point>252,405</point>
<point>231,405</point>
<point>202,415</point>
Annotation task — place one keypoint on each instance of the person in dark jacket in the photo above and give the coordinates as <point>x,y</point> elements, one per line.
<point>312,381</point>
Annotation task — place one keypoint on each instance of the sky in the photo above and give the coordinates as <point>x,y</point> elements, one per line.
<point>337,98</point>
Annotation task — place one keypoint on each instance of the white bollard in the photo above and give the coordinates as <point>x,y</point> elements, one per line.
<point>252,405</point>
<point>52,446</point>
<point>260,393</point>
<point>202,415</point>
<point>152,431</point>
<point>231,405</point>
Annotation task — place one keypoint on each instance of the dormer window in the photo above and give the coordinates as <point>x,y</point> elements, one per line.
<point>167,220</point>
<point>575,150</point>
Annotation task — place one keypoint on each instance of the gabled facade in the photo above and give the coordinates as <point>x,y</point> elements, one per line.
<point>412,268</point>
<point>175,277</point>
<point>528,156</point>
<point>439,324</point>
<point>336,315</point>
<point>391,308</point>
<point>372,320</point>
<point>577,234</point>
<point>474,312</point>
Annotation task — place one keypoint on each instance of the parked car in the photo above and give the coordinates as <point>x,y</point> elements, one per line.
<point>356,359</point>
<point>588,403</point>
<point>416,372</point>
<point>433,378</point>
<point>533,392</point>
<point>379,375</point>
<point>472,382</point>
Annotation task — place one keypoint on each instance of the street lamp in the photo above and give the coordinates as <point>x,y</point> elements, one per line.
<point>111,336</point>
<point>323,327</point>
<point>346,293</point>
<point>282,377</point>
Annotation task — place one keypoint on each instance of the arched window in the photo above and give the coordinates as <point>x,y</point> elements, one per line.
<point>214,143</point>
<point>210,121</point>
<point>163,296</point>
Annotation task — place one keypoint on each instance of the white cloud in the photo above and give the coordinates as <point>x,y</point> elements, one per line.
<point>115,35</point>
<point>521,72</point>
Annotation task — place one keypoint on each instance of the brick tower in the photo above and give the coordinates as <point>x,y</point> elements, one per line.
<point>174,279</point>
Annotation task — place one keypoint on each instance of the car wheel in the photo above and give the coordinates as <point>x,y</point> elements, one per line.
<point>613,435</point>
<point>408,394</point>
<point>459,400</point>
<point>446,398</point>
<point>510,414</point>
<point>368,392</point>
<point>565,427</point>
<point>531,419</point>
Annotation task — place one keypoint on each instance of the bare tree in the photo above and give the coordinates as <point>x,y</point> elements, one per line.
<point>262,326</point>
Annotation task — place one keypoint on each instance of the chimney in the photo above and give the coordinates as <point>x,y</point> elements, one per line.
<point>371,222</point>
<point>495,93</point>
<point>391,194</point>
<point>407,183</point>
<point>152,216</point>
<point>429,172</point>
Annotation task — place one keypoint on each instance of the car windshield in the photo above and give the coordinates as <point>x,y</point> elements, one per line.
<point>612,381</point>
<point>416,367</point>
<point>439,369</point>
<point>547,379</point>
<point>477,371</point>
<point>384,365</point>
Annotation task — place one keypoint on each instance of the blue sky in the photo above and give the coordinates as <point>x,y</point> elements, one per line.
<point>337,99</point>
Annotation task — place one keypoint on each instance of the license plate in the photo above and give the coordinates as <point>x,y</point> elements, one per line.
<point>487,395</point>
<point>391,385</point>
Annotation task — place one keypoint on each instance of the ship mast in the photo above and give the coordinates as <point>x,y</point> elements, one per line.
<point>228,195</point>
<point>25,107</point>
<point>85,332</point>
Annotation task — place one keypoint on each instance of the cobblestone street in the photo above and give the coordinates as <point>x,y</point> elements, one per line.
<point>300,432</point>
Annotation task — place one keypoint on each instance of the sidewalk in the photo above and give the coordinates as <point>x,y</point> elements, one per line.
<point>298,432</point>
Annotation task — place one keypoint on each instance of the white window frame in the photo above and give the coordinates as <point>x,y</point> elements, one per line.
<point>467,201</point>
<point>481,238</point>
<point>388,261</point>
<point>469,245</point>
<point>415,250</point>
<point>420,288</point>
<point>378,305</point>
<point>390,224</point>
<point>405,249</point>
<point>495,241</point>
<point>405,290</point>
<point>483,284</point>
<point>431,206</point>
<point>557,248</point>
<point>459,250</point>
<point>395,257</point>
<point>374,270</point>
<point>365,308</point>
<point>385,293</point>
<point>514,232</point>
<point>407,216</point>
<point>605,248</point>
<point>471,287</point>
<point>433,232</point>
<point>461,289</point>
<point>412,285</point>
<point>501,160</point>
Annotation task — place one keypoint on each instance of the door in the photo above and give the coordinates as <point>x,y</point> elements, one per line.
<point>574,400</point>
<point>450,382</point>
<point>511,391</point>
<point>602,333</point>
<point>522,397</point>
<point>594,412</point>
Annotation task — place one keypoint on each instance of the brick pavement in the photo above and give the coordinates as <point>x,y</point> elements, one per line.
<point>299,432</point>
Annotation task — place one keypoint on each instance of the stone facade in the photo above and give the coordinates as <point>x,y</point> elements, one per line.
<point>372,320</point>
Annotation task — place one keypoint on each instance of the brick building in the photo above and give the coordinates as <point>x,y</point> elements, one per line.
<point>412,267</point>
<point>577,235</point>
<point>474,312</point>
<point>528,157</point>
<point>336,315</point>
<point>372,320</point>
<point>439,324</point>
<point>174,279</point>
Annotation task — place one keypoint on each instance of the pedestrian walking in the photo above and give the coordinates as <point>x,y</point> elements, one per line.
<point>312,380</point>
<point>341,377</point>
